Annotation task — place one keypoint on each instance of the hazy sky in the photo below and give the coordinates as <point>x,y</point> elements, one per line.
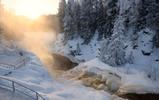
<point>32,7</point>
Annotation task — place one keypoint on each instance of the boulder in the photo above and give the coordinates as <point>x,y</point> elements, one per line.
<point>62,63</point>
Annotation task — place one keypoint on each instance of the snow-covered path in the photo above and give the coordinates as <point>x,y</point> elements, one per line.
<point>6,94</point>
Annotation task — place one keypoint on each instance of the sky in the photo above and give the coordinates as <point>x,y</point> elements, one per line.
<point>32,8</point>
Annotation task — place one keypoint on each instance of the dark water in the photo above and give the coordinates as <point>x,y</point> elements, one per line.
<point>141,96</point>
<point>59,64</point>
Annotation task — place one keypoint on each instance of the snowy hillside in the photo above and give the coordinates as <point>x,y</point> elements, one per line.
<point>121,33</point>
<point>35,76</point>
<point>121,80</point>
<point>106,49</point>
<point>142,57</point>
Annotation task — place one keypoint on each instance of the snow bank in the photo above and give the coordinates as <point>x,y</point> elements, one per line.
<point>35,76</point>
<point>87,52</point>
<point>134,82</point>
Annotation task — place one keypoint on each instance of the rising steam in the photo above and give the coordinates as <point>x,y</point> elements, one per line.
<point>26,32</point>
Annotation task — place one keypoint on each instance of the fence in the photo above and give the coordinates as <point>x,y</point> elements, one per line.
<point>14,66</point>
<point>17,87</point>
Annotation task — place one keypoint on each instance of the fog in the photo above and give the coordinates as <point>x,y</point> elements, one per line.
<point>35,36</point>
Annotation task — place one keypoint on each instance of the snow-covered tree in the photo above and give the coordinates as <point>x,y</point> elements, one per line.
<point>100,19</point>
<point>143,12</point>
<point>85,19</point>
<point>113,52</point>
<point>76,17</point>
<point>61,13</point>
<point>156,39</point>
<point>149,16</point>
<point>68,20</point>
<point>111,12</point>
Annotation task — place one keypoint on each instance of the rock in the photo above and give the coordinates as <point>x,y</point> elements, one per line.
<point>97,81</point>
<point>157,60</point>
<point>90,74</point>
<point>87,81</point>
<point>101,87</point>
<point>146,53</point>
<point>113,84</point>
<point>62,63</point>
<point>99,76</point>
<point>94,85</point>
<point>106,89</point>
<point>104,78</point>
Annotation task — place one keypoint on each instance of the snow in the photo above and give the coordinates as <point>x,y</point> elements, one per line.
<point>140,75</point>
<point>132,78</point>
<point>6,94</point>
<point>87,53</point>
<point>92,50</point>
<point>138,83</point>
<point>35,76</point>
<point>141,62</point>
<point>135,82</point>
<point>13,61</point>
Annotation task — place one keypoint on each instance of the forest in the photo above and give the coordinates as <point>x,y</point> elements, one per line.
<point>62,49</point>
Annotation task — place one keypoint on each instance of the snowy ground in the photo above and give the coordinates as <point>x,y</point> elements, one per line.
<point>9,95</point>
<point>87,52</point>
<point>132,78</point>
<point>134,82</point>
<point>139,77</point>
<point>35,76</point>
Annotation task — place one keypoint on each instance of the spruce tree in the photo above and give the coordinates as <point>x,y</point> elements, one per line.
<point>100,19</point>
<point>76,17</point>
<point>61,14</point>
<point>68,20</point>
<point>85,20</point>
<point>111,12</point>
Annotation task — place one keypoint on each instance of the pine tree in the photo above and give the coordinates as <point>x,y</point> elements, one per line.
<point>85,32</point>
<point>149,17</point>
<point>76,17</point>
<point>156,39</point>
<point>61,14</point>
<point>111,14</point>
<point>100,19</point>
<point>68,20</point>
<point>112,51</point>
<point>142,14</point>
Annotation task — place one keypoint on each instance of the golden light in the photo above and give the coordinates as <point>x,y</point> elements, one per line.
<point>32,8</point>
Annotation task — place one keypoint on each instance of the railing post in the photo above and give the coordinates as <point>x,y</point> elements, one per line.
<point>14,67</point>
<point>37,97</point>
<point>24,62</point>
<point>13,86</point>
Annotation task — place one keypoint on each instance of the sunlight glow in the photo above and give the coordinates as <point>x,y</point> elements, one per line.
<point>32,8</point>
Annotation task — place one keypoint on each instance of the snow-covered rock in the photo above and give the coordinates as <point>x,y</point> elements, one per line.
<point>117,79</point>
<point>35,76</point>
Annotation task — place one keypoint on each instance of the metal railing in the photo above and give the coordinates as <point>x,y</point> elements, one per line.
<point>17,87</point>
<point>14,66</point>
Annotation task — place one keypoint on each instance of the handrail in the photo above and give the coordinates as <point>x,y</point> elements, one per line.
<point>12,65</point>
<point>13,86</point>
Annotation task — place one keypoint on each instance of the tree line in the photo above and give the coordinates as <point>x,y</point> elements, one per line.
<point>84,18</point>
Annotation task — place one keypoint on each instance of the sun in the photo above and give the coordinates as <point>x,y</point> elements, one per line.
<point>32,8</point>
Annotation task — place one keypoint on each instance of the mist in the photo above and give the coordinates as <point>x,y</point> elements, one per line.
<point>32,35</point>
